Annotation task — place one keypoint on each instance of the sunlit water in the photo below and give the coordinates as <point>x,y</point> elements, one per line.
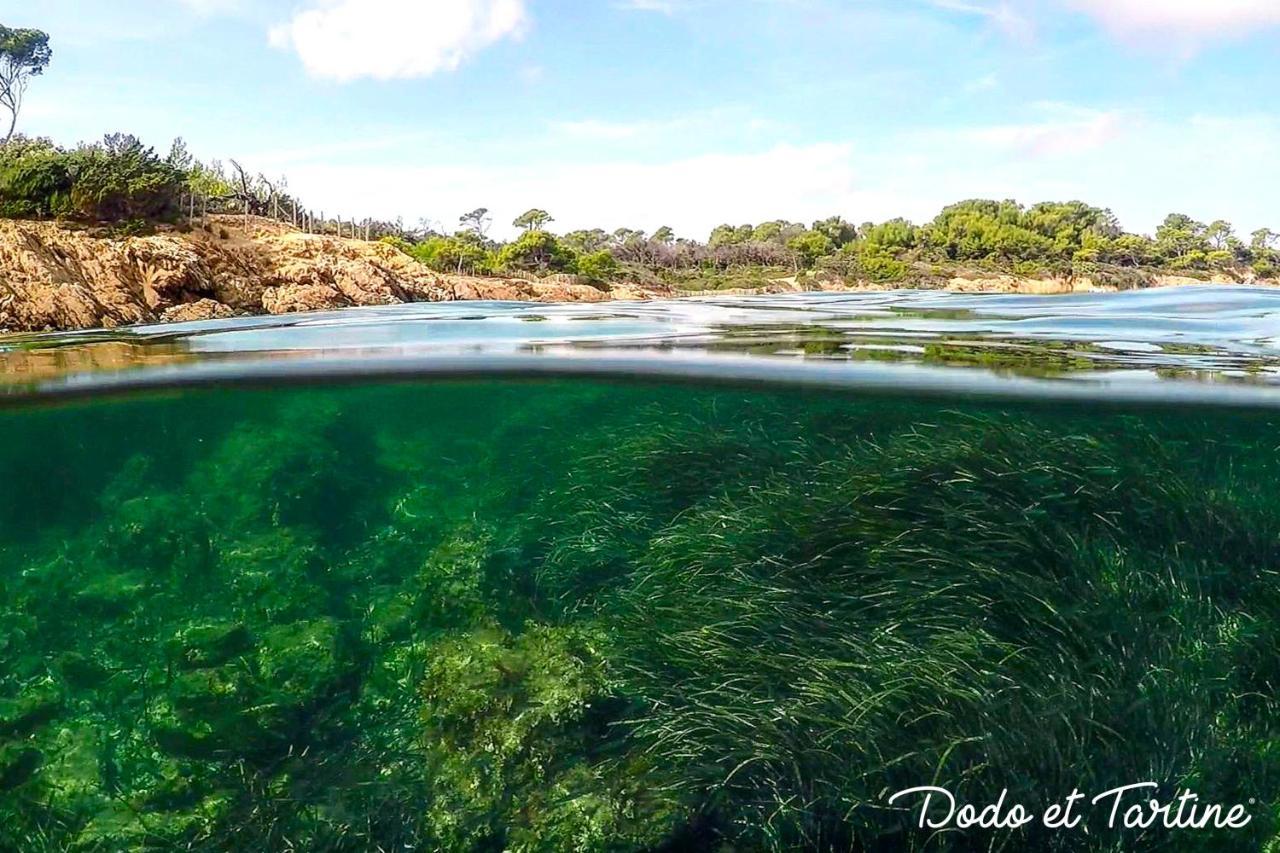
<point>710,575</point>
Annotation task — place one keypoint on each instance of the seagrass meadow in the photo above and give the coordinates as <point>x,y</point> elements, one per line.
<point>587,615</point>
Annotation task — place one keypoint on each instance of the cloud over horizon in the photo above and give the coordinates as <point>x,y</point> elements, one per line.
<point>1062,152</point>
<point>1193,19</point>
<point>346,40</point>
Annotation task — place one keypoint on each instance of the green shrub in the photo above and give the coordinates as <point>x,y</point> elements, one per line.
<point>117,180</point>
<point>1195,260</point>
<point>810,246</point>
<point>121,179</point>
<point>538,252</point>
<point>598,267</point>
<point>34,185</point>
<point>463,253</point>
<point>878,265</point>
<point>398,243</point>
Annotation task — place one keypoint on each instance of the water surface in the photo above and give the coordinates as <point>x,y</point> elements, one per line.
<point>1228,335</point>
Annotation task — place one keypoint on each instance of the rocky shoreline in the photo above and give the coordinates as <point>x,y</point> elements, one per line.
<point>54,277</point>
<point>57,277</point>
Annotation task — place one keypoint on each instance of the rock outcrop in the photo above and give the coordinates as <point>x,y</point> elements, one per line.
<point>54,276</point>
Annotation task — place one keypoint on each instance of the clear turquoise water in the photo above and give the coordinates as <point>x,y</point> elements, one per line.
<point>702,575</point>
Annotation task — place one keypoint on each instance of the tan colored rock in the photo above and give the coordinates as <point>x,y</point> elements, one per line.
<point>56,276</point>
<point>293,298</point>
<point>191,312</point>
<point>520,290</point>
<point>1017,284</point>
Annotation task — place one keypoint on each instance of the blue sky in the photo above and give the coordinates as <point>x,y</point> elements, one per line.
<point>689,113</point>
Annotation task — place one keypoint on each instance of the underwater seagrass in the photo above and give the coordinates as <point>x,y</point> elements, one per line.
<point>585,616</point>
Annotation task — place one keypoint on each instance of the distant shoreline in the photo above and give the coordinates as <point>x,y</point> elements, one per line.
<point>991,283</point>
<point>60,277</point>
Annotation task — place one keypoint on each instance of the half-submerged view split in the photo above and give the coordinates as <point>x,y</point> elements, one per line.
<point>422,455</point>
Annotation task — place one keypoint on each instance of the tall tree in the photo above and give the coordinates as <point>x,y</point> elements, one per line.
<point>1219,234</point>
<point>23,54</point>
<point>1179,236</point>
<point>587,241</point>
<point>837,230</point>
<point>477,221</point>
<point>533,220</point>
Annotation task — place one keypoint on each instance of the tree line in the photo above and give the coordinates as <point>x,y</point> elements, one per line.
<point>121,180</point>
<point>1049,238</point>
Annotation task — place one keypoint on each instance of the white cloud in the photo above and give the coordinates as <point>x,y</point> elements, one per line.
<point>387,39</point>
<point>1187,22</point>
<point>1190,19</point>
<point>1109,158</point>
<point>1065,129</point>
<point>691,195</point>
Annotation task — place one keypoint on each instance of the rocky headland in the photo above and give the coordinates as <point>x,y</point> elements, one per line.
<point>59,277</point>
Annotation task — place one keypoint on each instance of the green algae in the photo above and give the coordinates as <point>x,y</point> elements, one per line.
<point>559,616</point>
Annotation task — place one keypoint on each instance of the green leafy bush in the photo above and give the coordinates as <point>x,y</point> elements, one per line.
<point>598,267</point>
<point>879,265</point>
<point>122,179</point>
<point>398,243</point>
<point>34,181</point>
<point>810,246</point>
<point>537,252</point>
<point>463,253</point>
<point>116,180</point>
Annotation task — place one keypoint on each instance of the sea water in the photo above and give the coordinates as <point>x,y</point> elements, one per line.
<point>466,581</point>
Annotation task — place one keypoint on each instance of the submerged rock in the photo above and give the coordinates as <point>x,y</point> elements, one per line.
<point>255,708</point>
<point>18,764</point>
<point>77,770</point>
<point>213,713</point>
<point>112,595</point>
<point>303,663</point>
<point>28,712</point>
<point>209,645</point>
<point>519,735</point>
<point>81,671</point>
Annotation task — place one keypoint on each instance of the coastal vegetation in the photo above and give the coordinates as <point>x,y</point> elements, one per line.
<point>396,617</point>
<point>126,184</point>
<point>123,183</point>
